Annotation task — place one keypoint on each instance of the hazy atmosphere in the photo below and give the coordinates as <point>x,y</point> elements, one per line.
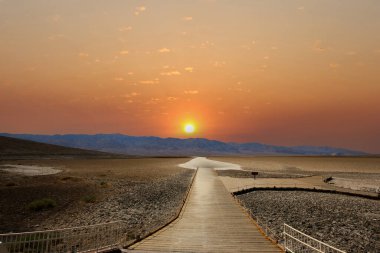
<point>278,72</point>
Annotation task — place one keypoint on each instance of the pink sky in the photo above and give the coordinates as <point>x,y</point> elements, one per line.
<point>286,72</point>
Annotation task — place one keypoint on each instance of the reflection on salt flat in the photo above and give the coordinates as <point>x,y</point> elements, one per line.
<point>29,170</point>
<point>202,162</point>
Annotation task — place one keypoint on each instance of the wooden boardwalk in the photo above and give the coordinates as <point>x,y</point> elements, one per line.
<point>211,221</point>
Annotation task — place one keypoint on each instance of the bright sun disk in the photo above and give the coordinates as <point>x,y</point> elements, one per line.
<point>189,128</point>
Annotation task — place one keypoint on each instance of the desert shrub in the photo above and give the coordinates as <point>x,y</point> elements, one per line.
<point>41,204</point>
<point>89,198</point>
<point>103,184</point>
<point>69,178</point>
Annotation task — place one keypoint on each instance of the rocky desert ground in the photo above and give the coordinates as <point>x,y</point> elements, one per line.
<point>346,222</point>
<point>145,193</point>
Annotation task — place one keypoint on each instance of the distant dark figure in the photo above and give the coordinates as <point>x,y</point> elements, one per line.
<point>254,174</point>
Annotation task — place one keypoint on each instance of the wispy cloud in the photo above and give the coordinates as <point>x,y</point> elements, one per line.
<point>118,79</point>
<point>171,99</point>
<point>56,36</point>
<point>139,10</point>
<point>132,94</point>
<point>124,52</point>
<point>153,101</point>
<point>301,8</point>
<point>171,73</point>
<point>218,64</point>
<point>164,50</point>
<point>207,44</point>
<point>351,53</point>
<point>334,65</point>
<point>318,46</point>
<point>188,18</point>
<point>191,92</point>
<point>154,81</point>
<point>56,18</point>
<point>189,69</point>
<point>125,29</point>
<point>83,55</point>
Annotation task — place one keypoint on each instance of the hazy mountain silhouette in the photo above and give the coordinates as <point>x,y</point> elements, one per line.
<point>155,146</point>
<point>18,148</point>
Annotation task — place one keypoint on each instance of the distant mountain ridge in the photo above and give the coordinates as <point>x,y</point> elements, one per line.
<point>156,146</point>
<point>21,148</point>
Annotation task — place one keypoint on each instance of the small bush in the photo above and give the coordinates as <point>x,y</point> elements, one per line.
<point>42,204</point>
<point>89,198</point>
<point>69,178</point>
<point>103,184</point>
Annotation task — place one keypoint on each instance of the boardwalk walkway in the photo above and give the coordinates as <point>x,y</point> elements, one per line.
<point>211,221</point>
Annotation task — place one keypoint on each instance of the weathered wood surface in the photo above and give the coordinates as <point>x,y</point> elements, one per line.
<point>211,221</point>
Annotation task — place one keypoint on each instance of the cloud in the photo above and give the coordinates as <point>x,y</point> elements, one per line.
<point>171,73</point>
<point>334,65</point>
<point>164,50</point>
<point>351,53</point>
<point>153,101</point>
<point>139,9</point>
<point>125,29</point>
<point>188,18</point>
<point>83,55</point>
<point>266,57</point>
<point>132,94</point>
<point>172,98</point>
<point>191,92</point>
<point>207,44</point>
<point>218,64</point>
<point>318,47</point>
<point>274,48</point>
<point>154,81</point>
<point>301,8</point>
<point>189,69</point>
<point>56,36</point>
<point>55,18</point>
<point>118,79</point>
<point>130,73</point>
<point>124,52</point>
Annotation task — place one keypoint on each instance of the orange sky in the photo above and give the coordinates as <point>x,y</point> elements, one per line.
<point>279,72</point>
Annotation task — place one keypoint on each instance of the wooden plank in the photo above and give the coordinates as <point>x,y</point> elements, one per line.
<point>211,221</point>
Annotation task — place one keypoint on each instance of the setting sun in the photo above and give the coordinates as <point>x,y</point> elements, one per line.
<point>189,128</point>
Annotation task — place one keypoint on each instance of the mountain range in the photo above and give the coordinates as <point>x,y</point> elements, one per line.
<point>156,146</point>
<point>24,149</point>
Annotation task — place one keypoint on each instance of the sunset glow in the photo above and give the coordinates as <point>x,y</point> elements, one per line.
<point>189,128</point>
<point>285,72</point>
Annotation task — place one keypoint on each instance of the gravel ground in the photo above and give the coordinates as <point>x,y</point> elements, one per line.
<point>145,193</point>
<point>143,206</point>
<point>348,223</point>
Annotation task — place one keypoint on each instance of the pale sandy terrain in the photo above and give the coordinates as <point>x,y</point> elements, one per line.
<point>314,164</point>
<point>356,173</point>
<point>372,185</point>
<point>233,184</point>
